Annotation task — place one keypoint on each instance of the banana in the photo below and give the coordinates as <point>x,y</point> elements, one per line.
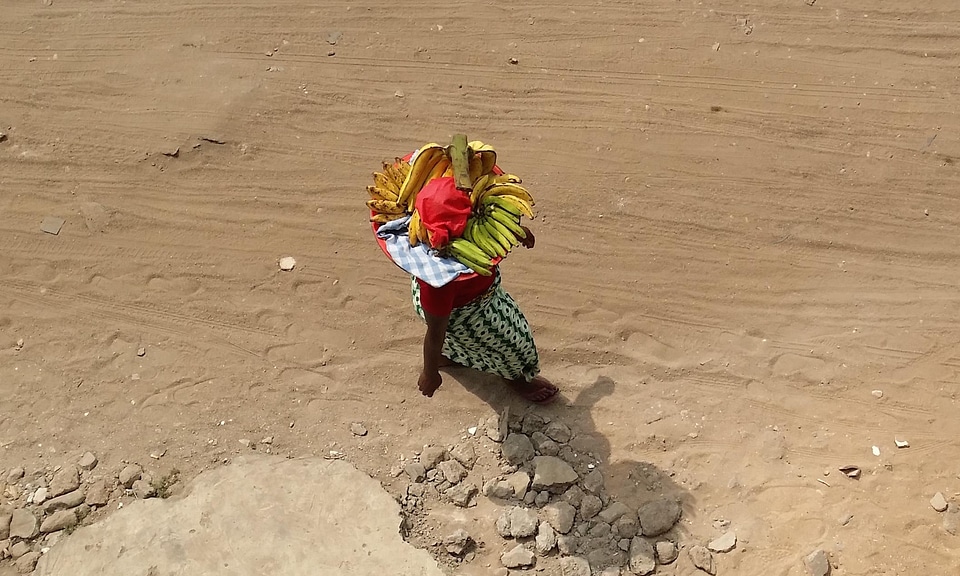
<point>422,165</point>
<point>499,232</point>
<point>470,256</point>
<point>508,220</point>
<point>381,180</point>
<point>489,243</point>
<point>511,204</point>
<point>384,218</point>
<point>478,188</point>
<point>439,168</point>
<point>488,156</point>
<point>507,179</point>
<point>468,231</point>
<point>509,189</point>
<point>402,169</point>
<point>476,166</point>
<point>381,194</point>
<point>384,207</point>
<point>414,228</point>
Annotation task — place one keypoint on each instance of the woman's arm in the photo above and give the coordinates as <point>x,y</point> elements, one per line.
<point>430,378</point>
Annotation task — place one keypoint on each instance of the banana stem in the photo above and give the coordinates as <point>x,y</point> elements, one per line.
<point>461,162</point>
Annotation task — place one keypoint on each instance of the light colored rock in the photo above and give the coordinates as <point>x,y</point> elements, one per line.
<point>593,482</point>
<point>58,521</point>
<point>40,496</point>
<point>465,454</point>
<point>130,474</point>
<point>88,461</point>
<point>15,475</point>
<point>64,502</point>
<point>938,502</point>
<point>340,511</point>
<point>5,518</point>
<point>358,429</point>
<point>518,557</point>
<point>497,426</point>
<point>24,524</point>
<point>517,522</point>
<point>590,506</point>
<point>431,456</point>
<point>497,489</point>
<point>519,481</point>
<point>574,566</point>
<point>574,495</point>
<point>19,549</point>
<point>143,489</point>
<point>97,494</point>
<point>624,544</point>
<point>702,559</point>
<point>725,543</point>
<point>66,480</point>
<point>558,432</point>
<point>951,518</point>
<point>658,516</point>
<point>552,474</point>
<point>546,539</point>
<point>666,551</point>
<point>517,449</point>
<point>415,471</point>
<point>462,494</point>
<point>614,512</point>
<point>560,516</point>
<point>287,263</point>
<point>453,472</point>
<point>26,563</point>
<point>817,563</point>
<point>457,543</point>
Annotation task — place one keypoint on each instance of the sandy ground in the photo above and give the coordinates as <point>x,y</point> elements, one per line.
<point>748,223</point>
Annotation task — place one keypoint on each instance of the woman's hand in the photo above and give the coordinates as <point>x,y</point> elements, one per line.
<point>429,382</point>
<point>530,239</point>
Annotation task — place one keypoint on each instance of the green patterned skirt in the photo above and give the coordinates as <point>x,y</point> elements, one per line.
<point>489,334</point>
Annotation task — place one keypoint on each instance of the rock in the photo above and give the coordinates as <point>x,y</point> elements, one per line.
<point>89,460</point>
<point>519,481</point>
<point>546,539</point>
<point>567,544</point>
<point>15,475</point>
<point>542,499</point>
<point>68,500</point>
<point>58,521</point>
<point>626,526</point>
<point>702,559</point>
<point>532,423</point>
<point>590,507</point>
<point>416,489</point>
<point>465,454</point>
<point>82,511</point>
<point>24,524</point>
<point>517,449</point>
<point>560,516</point>
<point>817,563</point>
<point>568,455</point>
<point>938,502</point>
<point>530,497</point>
<point>19,549</point>
<point>40,496</point>
<point>666,551</point>
<point>611,571</point>
<point>453,472</point>
<point>431,456</point>
<point>951,518</point>
<point>457,543</point>
<point>415,471</point>
<point>643,559</point>
<point>553,474</point>
<point>27,563</point>
<point>593,482</point>
<point>517,522</point>
<point>66,480</point>
<point>129,475</point>
<point>574,566</point>
<point>461,494</point>
<point>624,544</point>
<point>496,427</point>
<point>97,494</point>
<point>497,489</point>
<point>549,448</point>
<point>613,512</point>
<point>5,518</point>
<point>606,554</point>
<point>574,495</point>
<point>517,557</point>
<point>287,263</point>
<point>658,516</point>
<point>725,543</point>
<point>143,489</point>
<point>600,530</point>
<point>558,432</point>
<point>358,429</point>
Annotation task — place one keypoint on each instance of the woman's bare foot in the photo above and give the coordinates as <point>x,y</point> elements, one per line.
<point>539,390</point>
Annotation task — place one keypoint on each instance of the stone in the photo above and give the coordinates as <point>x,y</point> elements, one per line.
<point>27,563</point>
<point>558,432</point>
<point>938,502</point>
<point>553,474</point>
<point>97,494</point>
<point>129,475</point>
<point>88,461</point>
<point>59,521</point>
<point>19,549</point>
<point>658,516</point>
<point>416,489</point>
<point>702,559</point>
<point>542,499</point>
<point>606,555</point>
<point>568,455</point>
<point>611,571</point>
<point>590,507</point>
<point>599,530</point>
<point>15,475</point>
<point>817,563</point>
<point>574,566</point>
<point>643,559</point>
<point>287,263</point>
<point>517,449</point>
<point>358,429</point>
<point>624,544</point>
<point>725,543</point>
<point>497,426</point>
<point>415,471</point>
<point>573,495</point>
<point>546,539</point>
<point>5,518</point>
<point>530,497</point>
<point>549,448</point>
<point>518,557</point>
<point>560,516</point>
<point>461,494</point>
<point>443,486</point>
<point>64,502</point>
<point>532,423</point>
<point>82,511</point>
<point>497,489</point>
<point>518,522</point>
<point>613,512</point>
<point>951,519</point>
<point>567,544</point>
<point>593,482</point>
<point>143,489</point>
<point>431,456</point>
<point>465,454</point>
<point>24,524</point>
<point>666,551</point>
<point>457,543</point>
<point>453,472</point>
<point>519,481</point>
<point>626,526</point>
<point>66,480</point>
<point>40,496</point>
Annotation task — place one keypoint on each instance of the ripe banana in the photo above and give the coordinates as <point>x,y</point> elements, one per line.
<point>422,165</point>
<point>381,194</point>
<point>508,189</point>
<point>478,188</point>
<point>385,207</point>
<point>414,228</point>
<point>476,167</point>
<point>384,218</point>
<point>381,180</point>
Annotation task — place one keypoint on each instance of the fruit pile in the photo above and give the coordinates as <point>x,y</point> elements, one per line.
<point>498,200</point>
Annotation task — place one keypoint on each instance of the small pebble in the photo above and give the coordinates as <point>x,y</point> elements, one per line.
<point>877,393</point>
<point>901,443</point>
<point>357,429</point>
<point>287,263</point>
<point>141,351</point>
<point>938,502</point>
<point>876,451</point>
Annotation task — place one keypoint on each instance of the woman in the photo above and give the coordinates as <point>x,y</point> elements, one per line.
<point>472,322</point>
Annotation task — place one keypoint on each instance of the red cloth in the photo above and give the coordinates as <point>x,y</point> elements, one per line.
<point>442,301</point>
<point>443,210</point>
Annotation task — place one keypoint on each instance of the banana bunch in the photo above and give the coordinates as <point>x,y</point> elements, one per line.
<point>394,193</point>
<point>494,228</point>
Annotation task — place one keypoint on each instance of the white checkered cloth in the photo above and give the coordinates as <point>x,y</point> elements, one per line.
<point>420,261</point>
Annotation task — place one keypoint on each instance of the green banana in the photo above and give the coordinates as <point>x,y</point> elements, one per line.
<point>511,204</point>
<point>490,238</point>
<point>483,241</point>
<point>508,220</point>
<point>505,237</point>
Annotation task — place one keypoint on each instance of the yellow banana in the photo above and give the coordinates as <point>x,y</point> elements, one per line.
<point>439,168</point>
<point>512,204</point>
<point>384,207</point>
<point>384,218</point>
<point>422,165</point>
<point>413,229</point>
<point>402,169</point>
<point>509,190</point>
<point>507,179</point>
<point>381,180</point>
<point>381,194</point>
<point>478,187</point>
<point>476,167</point>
